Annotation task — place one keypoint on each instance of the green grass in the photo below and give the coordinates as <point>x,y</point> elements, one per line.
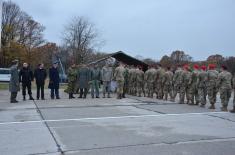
<point>4,86</point>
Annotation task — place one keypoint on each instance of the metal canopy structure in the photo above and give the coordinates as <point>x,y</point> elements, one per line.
<point>123,57</point>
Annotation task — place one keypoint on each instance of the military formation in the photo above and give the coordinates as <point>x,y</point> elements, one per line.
<point>193,85</point>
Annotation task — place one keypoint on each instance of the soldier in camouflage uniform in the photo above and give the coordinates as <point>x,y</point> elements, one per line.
<point>150,76</point>
<point>167,83</point>
<point>212,76</point>
<point>139,80</point>
<point>126,81</point>
<point>224,84</point>
<point>192,86</point>
<point>72,76</point>
<point>176,82</point>
<point>132,80</point>
<point>233,84</point>
<point>184,80</point>
<point>119,78</point>
<point>201,85</point>
<point>159,85</point>
<point>188,86</point>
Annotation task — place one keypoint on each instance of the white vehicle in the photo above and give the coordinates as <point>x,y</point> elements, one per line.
<point>5,75</point>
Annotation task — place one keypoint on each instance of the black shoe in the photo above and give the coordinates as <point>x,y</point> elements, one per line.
<point>31,98</point>
<point>42,98</point>
<point>37,98</point>
<point>97,97</point>
<point>15,101</point>
<point>58,98</point>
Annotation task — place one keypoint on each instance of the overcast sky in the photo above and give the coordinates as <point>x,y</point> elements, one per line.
<point>151,28</point>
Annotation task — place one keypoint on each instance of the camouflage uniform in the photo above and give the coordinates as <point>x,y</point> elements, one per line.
<point>192,88</point>
<point>72,76</point>
<point>201,85</point>
<point>126,81</point>
<point>159,85</point>
<point>184,80</point>
<point>119,78</point>
<point>224,84</point>
<point>176,82</point>
<point>139,81</point>
<point>233,91</point>
<point>167,83</point>
<point>188,87</point>
<point>150,76</point>
<point>212,76</point>
<point>132,80</point>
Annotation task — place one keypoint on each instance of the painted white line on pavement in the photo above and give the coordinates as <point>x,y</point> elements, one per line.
<point>104,118</point>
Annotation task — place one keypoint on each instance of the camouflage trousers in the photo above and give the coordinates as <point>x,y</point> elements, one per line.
<point>139,88</point>
<point>176,89</point>
<point>167,89</point>
<point>225,94</point>
<point>182,94</point>
<point>120,85</point>
<point>202,92</point>
<point>159,90</point>
<point>212,91</point>
<point>192,93</point>
<point>132,87</point>
<point>233,97</point>
<point>149,90</point>
<point>71,87</point>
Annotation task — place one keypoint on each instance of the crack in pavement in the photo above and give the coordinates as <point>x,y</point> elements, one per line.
<point>220,117</point>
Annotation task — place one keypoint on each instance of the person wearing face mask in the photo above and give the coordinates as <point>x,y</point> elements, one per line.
<point>14,85</point>
<point>40,75</point>
<point>25,77</point>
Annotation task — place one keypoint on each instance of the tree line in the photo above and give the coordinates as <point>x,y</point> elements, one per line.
<point>22,38</point>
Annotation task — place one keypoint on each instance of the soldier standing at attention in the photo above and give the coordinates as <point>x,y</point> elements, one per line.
<point>83,76</point>
<point>126,81</point>
<point>201,85</point>
<point>224,84</point>
<point>72,77</point>
<point>95,81</point>
<point>159,86</point>
<point>183,83</point>
<point>212,76</point>
<point>106,76</point>
<point>176,82</point>
<point>150,76</point>
<point>167,83</point>
<point>192,87</point>
<point>139,80</point>
<point>233,84</point>
<point>14,84</point>
<point>119,78</point>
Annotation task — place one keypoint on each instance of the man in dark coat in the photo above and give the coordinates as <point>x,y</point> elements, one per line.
<point>54,81</point>
<point>40,75</point>
<point>26,76</point>
<point>14,85</point>
<point>83,79</point>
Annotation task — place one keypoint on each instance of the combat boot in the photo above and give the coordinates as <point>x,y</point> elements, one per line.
<point>212,106</point>
<point>24,98</point>
<point>233,110</point>
<point>70,96</point>
<point>31,97</point>
<point>223,108</point>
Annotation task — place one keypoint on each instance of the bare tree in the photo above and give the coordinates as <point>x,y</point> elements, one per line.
<point>80,38</point>
<point>179,57</point>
